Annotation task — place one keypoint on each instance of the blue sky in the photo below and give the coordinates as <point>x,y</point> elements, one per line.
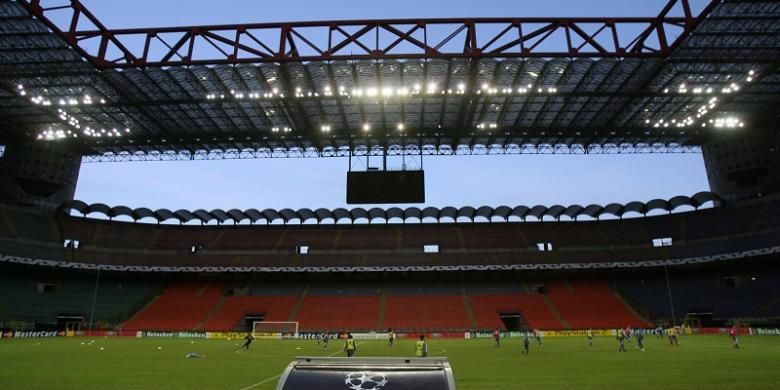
<point>313,183</point>
<point>156,13</point>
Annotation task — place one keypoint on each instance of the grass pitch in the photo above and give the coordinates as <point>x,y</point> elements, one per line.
<point>700,362</point>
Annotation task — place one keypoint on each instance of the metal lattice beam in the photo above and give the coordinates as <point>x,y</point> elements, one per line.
<point>360,39</point>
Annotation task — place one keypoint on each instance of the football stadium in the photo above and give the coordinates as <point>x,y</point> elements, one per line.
<point>389,290</point>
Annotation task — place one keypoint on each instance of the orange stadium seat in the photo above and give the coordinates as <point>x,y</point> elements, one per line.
<point>229,316</point>
<point>592,304</point>
<point>179,307</point>
<point>334,313</point>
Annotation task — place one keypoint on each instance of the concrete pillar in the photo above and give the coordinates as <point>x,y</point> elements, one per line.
<point>38,173</point>
<point>743,163</point>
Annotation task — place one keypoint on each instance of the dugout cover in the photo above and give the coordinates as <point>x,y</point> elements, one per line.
<point>332,373</point>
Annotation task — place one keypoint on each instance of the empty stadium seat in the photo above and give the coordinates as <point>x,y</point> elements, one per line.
<point>233,310</point>
<point>426,313</point>
<point>338,313</point>
<point>179,307</point>
<point>592,304</point>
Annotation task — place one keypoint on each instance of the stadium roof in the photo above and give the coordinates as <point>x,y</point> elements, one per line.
<point>445,86</point>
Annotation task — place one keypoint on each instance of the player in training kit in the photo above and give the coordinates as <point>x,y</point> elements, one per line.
<point>622,340</point>
<point>325,339</point>
<point>421,347</point>
<point>640,339</point>
<point>497,337</point>
<point>734,337</point>
<point>672,333</point>
<point>390,337</point>
<point>538,337</point>
<point>526,344</point>
<point>349,346</point>
<point>247,340</point>
<point>589,333</point>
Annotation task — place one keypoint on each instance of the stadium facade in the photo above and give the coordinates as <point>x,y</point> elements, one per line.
<point>695,78</point>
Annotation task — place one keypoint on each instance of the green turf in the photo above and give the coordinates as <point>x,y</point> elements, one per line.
<point>700,362</point>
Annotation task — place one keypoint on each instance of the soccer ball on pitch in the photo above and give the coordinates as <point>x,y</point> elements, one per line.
<point>365,381</point>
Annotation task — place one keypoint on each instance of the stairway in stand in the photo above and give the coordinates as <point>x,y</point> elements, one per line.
<point>555,312</point>
<point>469,310</point>
<point>380,317</point>
<point>214,310</point>
<point>297,308</point>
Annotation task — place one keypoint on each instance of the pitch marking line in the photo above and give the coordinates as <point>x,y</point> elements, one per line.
<point>264,381</point>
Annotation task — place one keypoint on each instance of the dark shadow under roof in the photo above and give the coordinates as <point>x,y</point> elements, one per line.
<point>464,214</point>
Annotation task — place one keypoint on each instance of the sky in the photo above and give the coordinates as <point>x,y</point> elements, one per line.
<point>321,182</point>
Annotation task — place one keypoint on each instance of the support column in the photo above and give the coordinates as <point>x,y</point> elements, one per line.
<point>743,163</point>
<point>38,173</point>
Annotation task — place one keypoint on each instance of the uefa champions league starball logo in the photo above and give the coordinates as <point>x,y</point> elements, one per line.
<point>365,381</point>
